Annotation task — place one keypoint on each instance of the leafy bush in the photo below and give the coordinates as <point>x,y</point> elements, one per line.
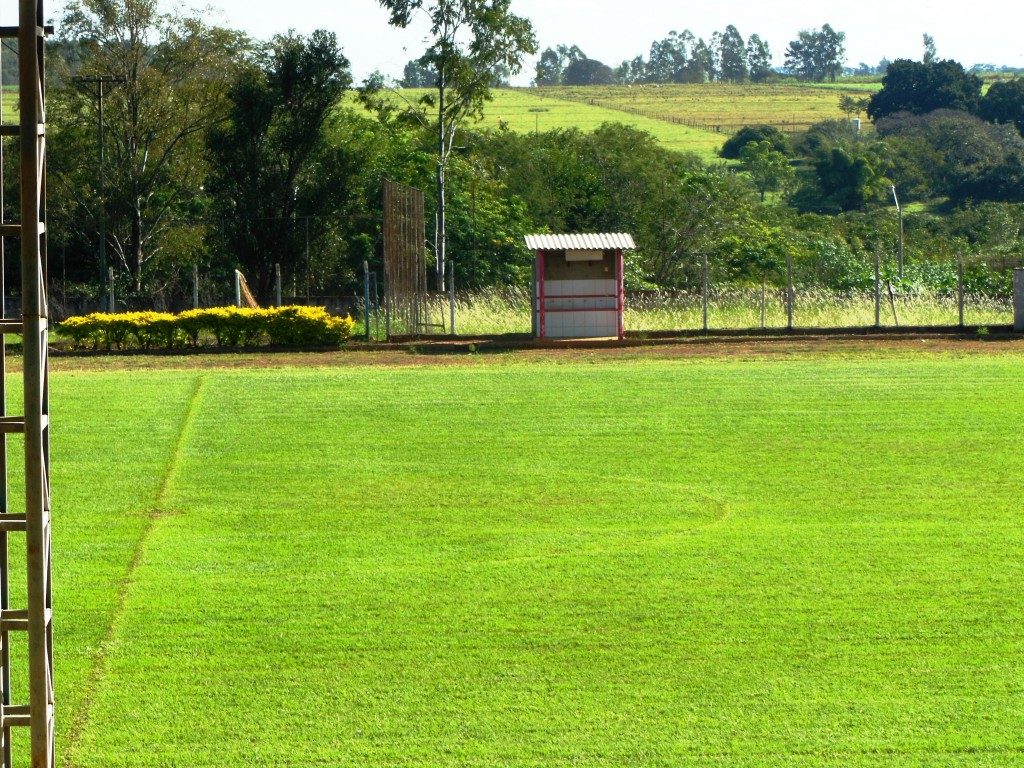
<point>755,133</point>
<point>228,326</point>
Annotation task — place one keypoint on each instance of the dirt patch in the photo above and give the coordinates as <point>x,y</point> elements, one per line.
<point>466,354</point>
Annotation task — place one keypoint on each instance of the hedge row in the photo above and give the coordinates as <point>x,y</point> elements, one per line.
<point>229,326</point>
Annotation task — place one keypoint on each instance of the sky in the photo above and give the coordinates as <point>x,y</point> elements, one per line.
<point>983,31</point>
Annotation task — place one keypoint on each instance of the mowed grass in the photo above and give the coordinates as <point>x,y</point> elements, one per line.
<point>801,562</point>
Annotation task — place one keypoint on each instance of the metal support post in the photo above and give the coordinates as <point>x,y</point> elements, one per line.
<point>960,288</point>
<point>878,290</point>
<point>704,290</point>
<point>790,293</point>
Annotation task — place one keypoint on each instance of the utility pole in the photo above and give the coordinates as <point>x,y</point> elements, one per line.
<point>100,81</point>
<point>899,210</point>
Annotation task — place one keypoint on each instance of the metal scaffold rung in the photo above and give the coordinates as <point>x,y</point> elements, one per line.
<point>15,425</point>
<point>13,523</point>
<point>15,130</point>
<point>11,327</point>
<point>20,715</point>
<point>14,230</point>
<point>12,32</point>
<point>16,620</point>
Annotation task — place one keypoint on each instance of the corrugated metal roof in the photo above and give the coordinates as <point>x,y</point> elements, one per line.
<point>581,242</point>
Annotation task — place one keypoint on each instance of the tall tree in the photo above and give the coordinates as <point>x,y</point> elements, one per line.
<point>1004,103</point>
<point>930,55</point>
<point>470,38</point>
<point>589,72</point>
<point>769,169</point>
<point>174,71</point>
<point>817,55</point>
<point>549,68</point>
<point>667,60</point>
<point>270,159</point>
<point>910,86</point>
<point>418,74</point>
<point>732,56</point>
<point>759,59</point>
<point>701,66</point>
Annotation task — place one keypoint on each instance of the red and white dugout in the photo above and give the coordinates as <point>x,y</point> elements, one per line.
<point>578,285</point>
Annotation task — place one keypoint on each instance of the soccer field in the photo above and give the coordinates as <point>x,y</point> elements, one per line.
<point>788,561</point>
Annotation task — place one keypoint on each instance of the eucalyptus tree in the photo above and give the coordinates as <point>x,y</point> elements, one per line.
<point>469,40</point>
<point>174,72</point>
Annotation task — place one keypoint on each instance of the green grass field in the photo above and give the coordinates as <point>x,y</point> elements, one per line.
<point>574,561</point>
<point>514,108</point>
<point>684,118</point>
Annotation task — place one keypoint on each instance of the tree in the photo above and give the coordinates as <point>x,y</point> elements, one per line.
<point>549,68</point>
<point>589,72</point>
<point>817,55</point>
<point>418,74</point>
<point>270,159</point>
<point>175,71</point>
<point>630,72</point>
<point>701,66</point>
<point>853,105</point>
<point>759,59</point>
<point>910,86</point>
<point>770,170</point>
<point>930,54</point>
<point>848,180</point>
<point>749,134</point>
<point>1004,103</point>
<point>470,39</point>
<point>732,56</point>
<point>667,60</point>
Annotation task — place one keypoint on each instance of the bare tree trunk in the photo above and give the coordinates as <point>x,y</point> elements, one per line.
<point>440,235</point>
<point>136,246</point>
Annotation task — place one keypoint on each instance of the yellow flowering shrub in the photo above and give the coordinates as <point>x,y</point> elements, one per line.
<point>228,326</point>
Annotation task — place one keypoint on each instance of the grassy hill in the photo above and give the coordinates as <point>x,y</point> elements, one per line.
<point>684,118</point>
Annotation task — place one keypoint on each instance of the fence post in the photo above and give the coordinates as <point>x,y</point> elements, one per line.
<point>451,294</point>
<point>110,282</point>
<point>195,286</point>
<point>878,290</point>
<point>789,291</point>
<point>238,289</point>
<point>277,284</point>
<point>764,300</point>
<point>960,287</point>
<point>366,298</point>
<point>704,289</point>
<point>375,301</point>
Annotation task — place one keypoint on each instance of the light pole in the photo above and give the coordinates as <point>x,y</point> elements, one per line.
<point>899,211</point>
<point>100,81</point>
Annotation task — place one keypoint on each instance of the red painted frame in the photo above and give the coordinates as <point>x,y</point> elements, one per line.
<point>620,268</point>
<point>541,300</point>
<point>620,295</point>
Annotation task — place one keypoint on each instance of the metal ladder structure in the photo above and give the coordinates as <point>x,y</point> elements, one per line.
<point>31,614</point>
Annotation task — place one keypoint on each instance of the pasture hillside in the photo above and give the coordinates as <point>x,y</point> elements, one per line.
<point>723,107</point>
<point>528,110</point>
<point>684,118</point>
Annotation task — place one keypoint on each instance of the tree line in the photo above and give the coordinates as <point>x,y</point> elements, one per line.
<point>223,152</point>
<point>682,57</point>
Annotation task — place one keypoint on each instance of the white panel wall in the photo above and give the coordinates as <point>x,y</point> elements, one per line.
<point>590,317</point>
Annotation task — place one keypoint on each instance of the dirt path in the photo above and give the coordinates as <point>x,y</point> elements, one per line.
<point>460,354</point>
